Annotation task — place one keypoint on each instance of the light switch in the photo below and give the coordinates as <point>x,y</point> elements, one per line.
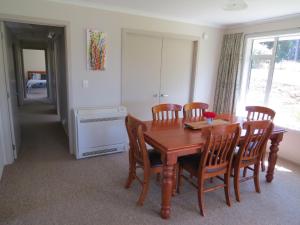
<point>85,83</point>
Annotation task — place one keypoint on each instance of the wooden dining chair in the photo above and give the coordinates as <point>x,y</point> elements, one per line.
<point>166,111</point>
<point>214,161</point>
<point>140,157</point>
<point>260,113</point>
<point>250,151</point>
<point>194,109</point>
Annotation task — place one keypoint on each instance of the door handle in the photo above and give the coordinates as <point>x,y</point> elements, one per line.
<point>155,95</point>
<point>163,95</point>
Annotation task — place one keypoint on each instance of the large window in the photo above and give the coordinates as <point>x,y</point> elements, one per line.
<point>271,77</point>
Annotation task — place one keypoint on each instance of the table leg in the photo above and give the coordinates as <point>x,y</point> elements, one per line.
<point>167,188</point>
<point>275,140</point>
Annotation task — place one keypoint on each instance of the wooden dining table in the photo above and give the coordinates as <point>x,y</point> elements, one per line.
<point>173,140</point>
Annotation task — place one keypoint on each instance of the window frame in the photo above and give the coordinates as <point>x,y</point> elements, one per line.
<point>246,62</point>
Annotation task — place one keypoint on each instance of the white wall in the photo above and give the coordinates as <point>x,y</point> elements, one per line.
<point>289,148</point>
<point>105,87</point>
<point>33,60</point>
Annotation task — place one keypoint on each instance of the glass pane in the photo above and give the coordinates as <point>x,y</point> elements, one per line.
<point>285,93</point>
<point>263,46</point>
<point>258,82</point>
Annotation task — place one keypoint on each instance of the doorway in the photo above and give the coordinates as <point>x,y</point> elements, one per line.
<point>35,74</point>
<point>35,79</point>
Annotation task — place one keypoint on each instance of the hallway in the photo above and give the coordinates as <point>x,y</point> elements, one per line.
<point>43,136</point>
<point>44,146</point>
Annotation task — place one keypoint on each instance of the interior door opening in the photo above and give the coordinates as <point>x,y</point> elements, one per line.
<point>35,75</point>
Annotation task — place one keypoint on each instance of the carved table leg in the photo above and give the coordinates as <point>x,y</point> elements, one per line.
<point>275,140</point>
<point>167,188</point>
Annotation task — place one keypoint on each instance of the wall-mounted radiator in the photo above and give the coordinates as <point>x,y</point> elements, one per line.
<point>100,131</point>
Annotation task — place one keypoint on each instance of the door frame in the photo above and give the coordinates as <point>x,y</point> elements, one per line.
<point>5,111</point>
<point>9,115</point>
<point>33,47</point>
<point>67,39</point>
<point>194,39</point>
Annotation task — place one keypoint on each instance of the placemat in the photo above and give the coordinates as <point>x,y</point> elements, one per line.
<point>203,124</point>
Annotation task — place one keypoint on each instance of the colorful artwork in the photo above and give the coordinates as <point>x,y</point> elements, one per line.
<point>96,46</point>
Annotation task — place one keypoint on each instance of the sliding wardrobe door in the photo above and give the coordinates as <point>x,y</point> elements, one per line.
<point>177,71</point>
<point>141,73</point>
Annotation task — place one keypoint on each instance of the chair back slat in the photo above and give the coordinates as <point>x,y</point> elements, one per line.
<point>257,135</point>
<point>218,150</point>
<point>135,129</point>
<point>260,113</point>
<point>194,109</point>
<point>166,111</point>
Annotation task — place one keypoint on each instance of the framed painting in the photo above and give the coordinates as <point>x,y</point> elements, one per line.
<point>96,50</point>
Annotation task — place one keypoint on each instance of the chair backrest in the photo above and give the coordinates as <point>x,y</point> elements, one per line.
<point>135,130</point>
<point>166,111</point>
<point>260,113</point>
<point>218,150</point>
<point>194,109</point>
<point>257,135</point>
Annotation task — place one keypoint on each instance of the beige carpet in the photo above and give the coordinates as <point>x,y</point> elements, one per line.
<point>46,185</point>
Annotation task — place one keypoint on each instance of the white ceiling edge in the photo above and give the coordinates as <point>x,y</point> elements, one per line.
<point>262,21</point>
<point>124,10</point>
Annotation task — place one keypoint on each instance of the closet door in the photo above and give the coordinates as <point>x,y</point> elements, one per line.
<point>141,74</point>
<point>177,70</point>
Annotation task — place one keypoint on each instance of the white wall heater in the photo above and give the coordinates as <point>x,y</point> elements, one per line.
<point>100,131</point>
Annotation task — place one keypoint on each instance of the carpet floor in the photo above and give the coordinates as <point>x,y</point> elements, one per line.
<point>46,185</point>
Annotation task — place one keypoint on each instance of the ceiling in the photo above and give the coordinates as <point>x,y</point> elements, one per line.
<point>202,12</point>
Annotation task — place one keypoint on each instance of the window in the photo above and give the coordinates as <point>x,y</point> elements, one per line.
<point>271,77</point>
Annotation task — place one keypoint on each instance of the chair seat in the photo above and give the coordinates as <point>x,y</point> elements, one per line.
<point>154,158</point>
<point>245,162</point>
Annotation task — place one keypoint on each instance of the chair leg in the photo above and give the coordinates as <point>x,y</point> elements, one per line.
<point>227,188</point>
<point>245,172</point>
<point>132,174</point>
<point>201,195</point>
<point>263,167</point>
<point>145,189</point>
<point>256,178</point>
<point>263,156</point>
<point>236,181</point>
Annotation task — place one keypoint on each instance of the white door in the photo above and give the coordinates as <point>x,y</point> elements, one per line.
<point>11,88</point>
<point>141,74</point>
<point>177,70</point>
